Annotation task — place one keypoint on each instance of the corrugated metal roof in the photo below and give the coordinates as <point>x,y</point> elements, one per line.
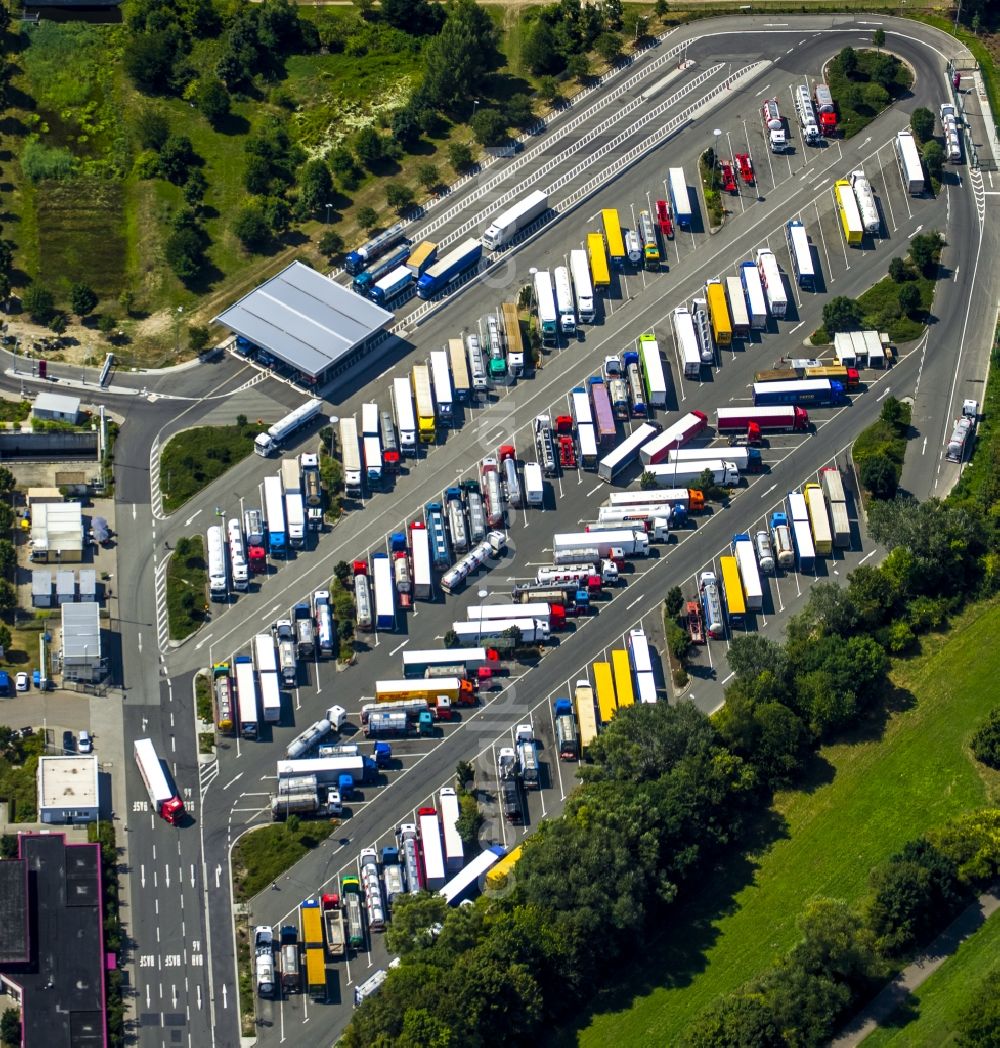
<point>81,632</point>
<point>304,318</point>
<point>57,403</point>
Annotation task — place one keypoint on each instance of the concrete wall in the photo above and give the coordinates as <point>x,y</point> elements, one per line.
<point>76,446</point>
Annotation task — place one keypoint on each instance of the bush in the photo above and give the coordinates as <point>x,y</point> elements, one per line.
<point>38,302</point>
<point>251,227</point>
<point>183,252</point>
<point>922,124</point>
<point>841,314</point>
<point>82,299</point>
<point>331,244</point>
<point>898,270</point>
<point>398,196</point>
<point>909,299</point>
<point>878,475</point>
<point>40,162</point>
<point>489,126</point>
<point>985,744</point>
<point>460,157</point>
<point>367,219</point>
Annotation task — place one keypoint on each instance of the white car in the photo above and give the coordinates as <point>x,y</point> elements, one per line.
<point>22,681</point>
<point>84,743</point>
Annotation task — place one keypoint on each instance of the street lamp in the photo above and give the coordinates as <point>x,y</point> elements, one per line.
<point>482,594</point>
<point>328,205</point>
<point>177,331</point>
<point>475,102</point>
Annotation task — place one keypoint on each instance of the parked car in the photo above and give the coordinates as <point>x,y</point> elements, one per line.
<point>84,742</point>
<point>69,742</point>
<point>22,681</point>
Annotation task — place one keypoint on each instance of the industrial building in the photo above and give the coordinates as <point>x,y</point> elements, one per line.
<point>52,958</point>
<point>312,325</point>
<point>81,642</point>
<point>57,532</point>
<point>54,407</point>
<point>67,789</point>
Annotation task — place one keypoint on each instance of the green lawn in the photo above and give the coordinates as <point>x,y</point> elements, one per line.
<point>191,460</point>
<point>263,855</point>
<point>187,574</point>
<point>862,800</point>
<point>929,1016</point>
<point>18,774</point>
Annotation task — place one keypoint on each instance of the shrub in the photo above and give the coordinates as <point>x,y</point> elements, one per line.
<point>985,742</point>
<point>38,303</point>
<point>878,475</point>
<point>40,161</point>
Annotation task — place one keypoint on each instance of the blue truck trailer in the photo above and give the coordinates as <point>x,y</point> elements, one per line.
<point>816,392</point>
<point>364,282</point>
<point>458,261</point>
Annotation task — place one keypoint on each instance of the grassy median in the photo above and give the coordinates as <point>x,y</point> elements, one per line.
<point>187,588</point>
<point>191,460</point>
<point>263,855</point>
<point>904,771</point>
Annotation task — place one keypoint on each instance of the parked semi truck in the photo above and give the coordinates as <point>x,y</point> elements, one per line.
<point>270,442</point>
<point>506,225</point>
<point>840,521</point>
<point>333,926</point>
<point>350,894</point>
<point>567,739</point>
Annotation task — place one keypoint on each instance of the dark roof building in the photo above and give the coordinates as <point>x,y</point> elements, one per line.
<point>52,941</point>
<point>313,325</point>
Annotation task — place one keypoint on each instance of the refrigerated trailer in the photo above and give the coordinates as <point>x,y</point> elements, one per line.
<point>402,401</point>
<point>801,255</point>
<point>442,387</point>
<point>754,291</point>
<point>274,511</point>
<point>506,225</point>
<point>686,341</point>
<point>683,430</point>
<point>910,168</point>
<point>738,314</point>
<point>431,847</point>
<point>350,456</point>
<point>746,559</point>
<point>680,201</point>
<point>385,596</point>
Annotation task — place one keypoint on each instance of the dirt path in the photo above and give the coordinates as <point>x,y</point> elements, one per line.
<point>916,974</point>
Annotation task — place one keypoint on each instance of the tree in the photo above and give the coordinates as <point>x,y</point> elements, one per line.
<point>412,918</point>
<point>519,112</point>
<point>7,480</point>
<point>613,11</point>
<point>751,654</point>
<point>841,314</point>
<point>980,1020</point>
<point>330,244</point>
<point>609,47</point>
<point>878,39</point>
<point>212,100</point>
<point>199,337</point>
<point>878,475</point>
<point>315,185</point>
<point>909,299</point>
<point>184,254</point>
<point>412,16</point>
<point>342,572</point>
<point>450,639</point>
<point>539,52</point>
<point>924,248</point>
<point>489,127</point>
<point>662,8</point>
<point>460,156</point>
<point>985,742</point>
<point>345,167</point>
<point>465,776</point>
<point>10,1023</point>
<point>648,482</point>
<point>894,412</point>
<point>250,227</point>
<point>367,218</point>
<point>548,89</point>
<point>922,124</point>
<point>897,270</point>
<point>429,177</point>
<point>152,127</point>
<point>578,67</point>
<point>933,157</point>
<point>470,819</point>
<point>674,601</point>
<point>8,595</point>
<point>406,128</point>
<point>458,60</point>
<point>150,58</point>
<point>82,299</point>
<point>875,96</point>
<point>398,196</point>
<point>57,323</point>
<point>635,24</point>
<point>8,558</point>
<point>195,187</point>
<point>177,156</point>
<point>848,61</point>
<point>106,324</point>
<point>369,146</point>
<point>38,302</point>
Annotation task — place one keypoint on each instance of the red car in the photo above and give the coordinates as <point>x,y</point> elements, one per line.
<point>745,168</point>
<point>663,218</point>
<point>728,178</point>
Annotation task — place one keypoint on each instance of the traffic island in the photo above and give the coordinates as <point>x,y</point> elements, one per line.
<point>187,588</point>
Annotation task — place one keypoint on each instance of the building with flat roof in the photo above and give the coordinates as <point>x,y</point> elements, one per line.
<point>55,407</point>
<point>52,958</point>
<point>57,532</point>
<point>67,789</point>
<point>81,642</point>
<point>316,327</point>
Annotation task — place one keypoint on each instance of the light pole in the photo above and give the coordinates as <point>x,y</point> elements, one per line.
<point>177,331</point>
<point>328,205</point>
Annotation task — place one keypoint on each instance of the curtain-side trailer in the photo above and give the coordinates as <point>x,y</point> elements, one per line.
<point>801,255</point>
<point>420,547</point>
<point>754,291</point>
<point>626,453</point>
<point>582,285</point>
<point>246,696</point>
<point>402,401</point>
<point>431,847</point>
<point>680,432</point>
<point>442,387</point>
<point>774,286</point>
<point>753,591</point>
<point>426,419</point>
<point>350,456</point>
<point>718,313</point>
<point>598,257</point>
<point>454,852</point>
<point>738,314</point>
<point>652,370</point>
<point>910,168</point>
<point>613,237</point>
<point>686,342</point>
<point>848,213</point>
<point>459,370</point>
<point>385,597</point>
<point>218,577</point>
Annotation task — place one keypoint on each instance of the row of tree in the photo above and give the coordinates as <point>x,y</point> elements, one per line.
<point>843,955</point>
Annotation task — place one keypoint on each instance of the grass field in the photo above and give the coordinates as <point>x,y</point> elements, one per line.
<point>187,574</point>
<point>863,799</point>
<point>263,855</point>
<point>18,783</point>
<point>14,410</point>
<point>929,1016</point>
<point>192,459</point>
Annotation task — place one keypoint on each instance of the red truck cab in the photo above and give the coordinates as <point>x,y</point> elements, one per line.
<point>663,218</point>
